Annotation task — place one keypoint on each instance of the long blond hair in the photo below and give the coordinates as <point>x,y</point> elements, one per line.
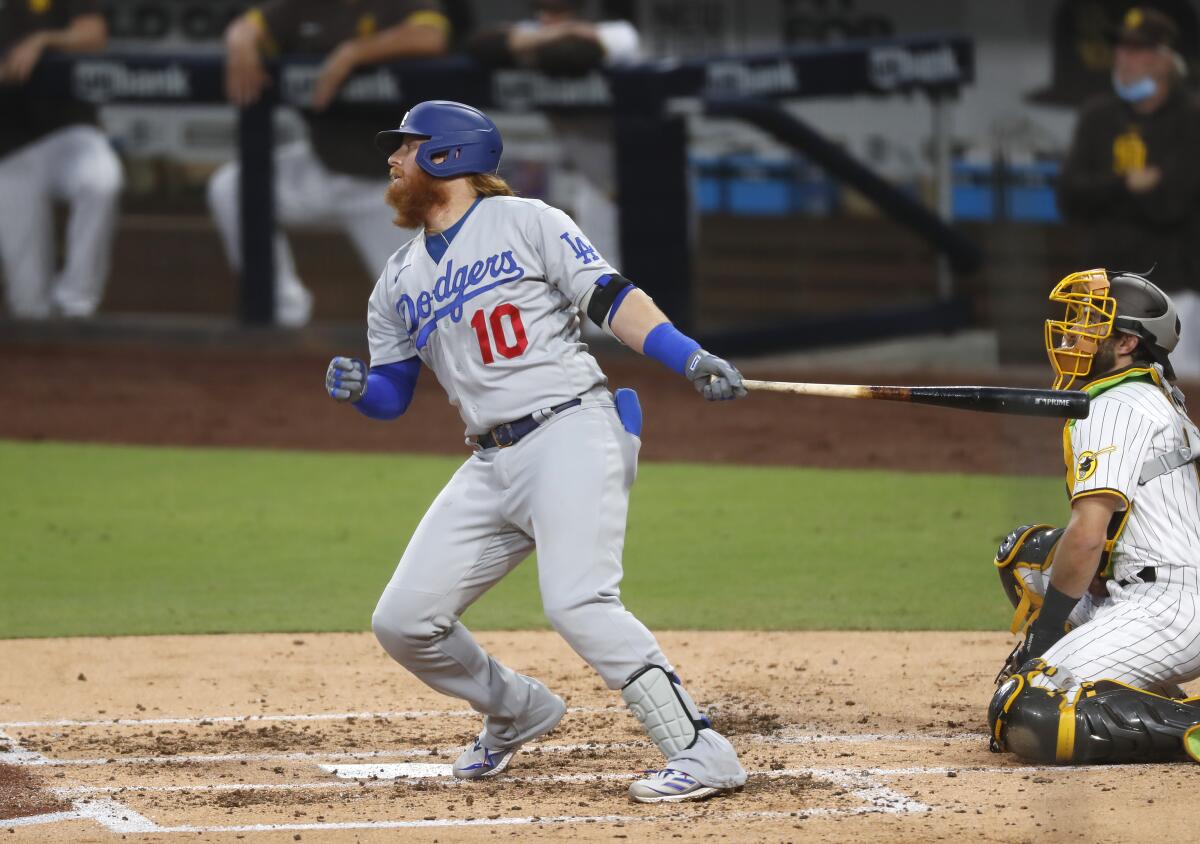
<point>489,184</point>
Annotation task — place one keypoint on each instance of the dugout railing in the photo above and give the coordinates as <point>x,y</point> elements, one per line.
<point>650,137</point>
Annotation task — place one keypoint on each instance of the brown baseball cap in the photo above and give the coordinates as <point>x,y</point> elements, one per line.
<point>1146,27</point>
<point>557,5</point>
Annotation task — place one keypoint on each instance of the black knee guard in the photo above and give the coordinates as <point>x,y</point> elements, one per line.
<point>1105,721</point>
<point>1024,719</point>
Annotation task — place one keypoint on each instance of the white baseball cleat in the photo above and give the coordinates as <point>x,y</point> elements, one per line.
<point>669,786</point>
<point>479,760</point>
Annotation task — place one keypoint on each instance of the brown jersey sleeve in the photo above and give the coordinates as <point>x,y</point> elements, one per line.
<point>78,8</point>
<point>278,20</point>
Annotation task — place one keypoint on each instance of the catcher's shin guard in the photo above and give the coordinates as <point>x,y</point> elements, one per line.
<point>667,712</point>
<point>1105,721</point>
<point>1191,742</point>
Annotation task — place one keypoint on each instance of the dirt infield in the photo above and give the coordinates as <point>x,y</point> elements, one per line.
<point>225,397</point>
<point>22,794</point>
<point>277,738</point>
<point>849,737</point>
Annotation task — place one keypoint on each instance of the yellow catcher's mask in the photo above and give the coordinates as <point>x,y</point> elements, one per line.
<point>1072,341</point>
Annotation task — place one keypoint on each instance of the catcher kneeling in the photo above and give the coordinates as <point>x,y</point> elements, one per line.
<point>1110,605</point>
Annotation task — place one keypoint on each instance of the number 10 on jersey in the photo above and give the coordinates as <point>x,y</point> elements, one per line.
<point>504,320</point>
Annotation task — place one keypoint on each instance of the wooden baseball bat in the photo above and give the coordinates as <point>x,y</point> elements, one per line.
<point>1021,401</point>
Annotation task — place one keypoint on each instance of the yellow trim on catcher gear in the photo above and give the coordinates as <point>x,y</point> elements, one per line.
<point>1106,568</point>
<point>1111,379</point>
<point>1069,458</point>
<point>1191,742</point>
<point>1000,719</point>
<point>1089,311</point>
<point>1066,730</point>
<point>1026,611</point>
<point>1017,545</point>
<point>1092,683</point>
<point>1030,605</point>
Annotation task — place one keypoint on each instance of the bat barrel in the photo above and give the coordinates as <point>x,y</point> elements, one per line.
<point>1020,401</point>
<point>1024,401</point>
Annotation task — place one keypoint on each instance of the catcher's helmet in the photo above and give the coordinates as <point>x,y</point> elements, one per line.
<point>1099,302</point>
<point>467,136</point>
<point>1144,311</point>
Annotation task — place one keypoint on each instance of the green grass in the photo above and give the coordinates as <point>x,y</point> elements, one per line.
<point>100,540</point>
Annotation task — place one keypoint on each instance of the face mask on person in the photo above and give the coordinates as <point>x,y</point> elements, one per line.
<point>1136,91</point>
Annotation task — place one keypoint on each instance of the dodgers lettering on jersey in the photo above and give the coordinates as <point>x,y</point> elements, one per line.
<point>452,290</point>
<point>497,319</point>
<point>1129,424</point>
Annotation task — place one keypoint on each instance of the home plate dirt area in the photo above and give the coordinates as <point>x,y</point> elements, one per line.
<point>272,738</point>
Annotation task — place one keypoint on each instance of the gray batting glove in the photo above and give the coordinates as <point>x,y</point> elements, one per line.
<point>346,379</point>
<point>716,379</point>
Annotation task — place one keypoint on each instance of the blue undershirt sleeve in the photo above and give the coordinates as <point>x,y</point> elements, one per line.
<point>389,389</point>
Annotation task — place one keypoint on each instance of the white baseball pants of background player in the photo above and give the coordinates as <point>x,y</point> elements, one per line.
<point>564,487</point>
<point>307,194</point>
<point>77,166</point>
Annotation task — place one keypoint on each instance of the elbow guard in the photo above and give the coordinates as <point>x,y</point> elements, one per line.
<point>604,298</point>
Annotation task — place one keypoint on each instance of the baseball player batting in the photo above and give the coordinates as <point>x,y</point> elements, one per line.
<point>1111,603</point>
<point>490,296</point>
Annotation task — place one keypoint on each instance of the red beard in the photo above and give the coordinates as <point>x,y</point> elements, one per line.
<point>412,198</point>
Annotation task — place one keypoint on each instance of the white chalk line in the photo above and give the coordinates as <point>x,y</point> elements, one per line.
<point>108,813</point>
<point>879,799</point>
<point>370,781</point>
<point>867,738</point>
<point>105,810</point>
<point>389,779</point>
<point>309,756</point>
<point>118,818</point>
<point>217,758</point>
<point>257,719</point>
<point>441,823</point>
<point>14,754</point>
<point>34,820</point>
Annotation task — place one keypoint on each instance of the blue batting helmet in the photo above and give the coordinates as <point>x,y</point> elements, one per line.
<point>467,136</point>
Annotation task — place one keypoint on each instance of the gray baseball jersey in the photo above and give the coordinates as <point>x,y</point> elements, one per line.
<point>497,319</point>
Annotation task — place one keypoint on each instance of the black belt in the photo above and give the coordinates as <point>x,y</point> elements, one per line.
<point>1146,575</point>
<point>511,433</point>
